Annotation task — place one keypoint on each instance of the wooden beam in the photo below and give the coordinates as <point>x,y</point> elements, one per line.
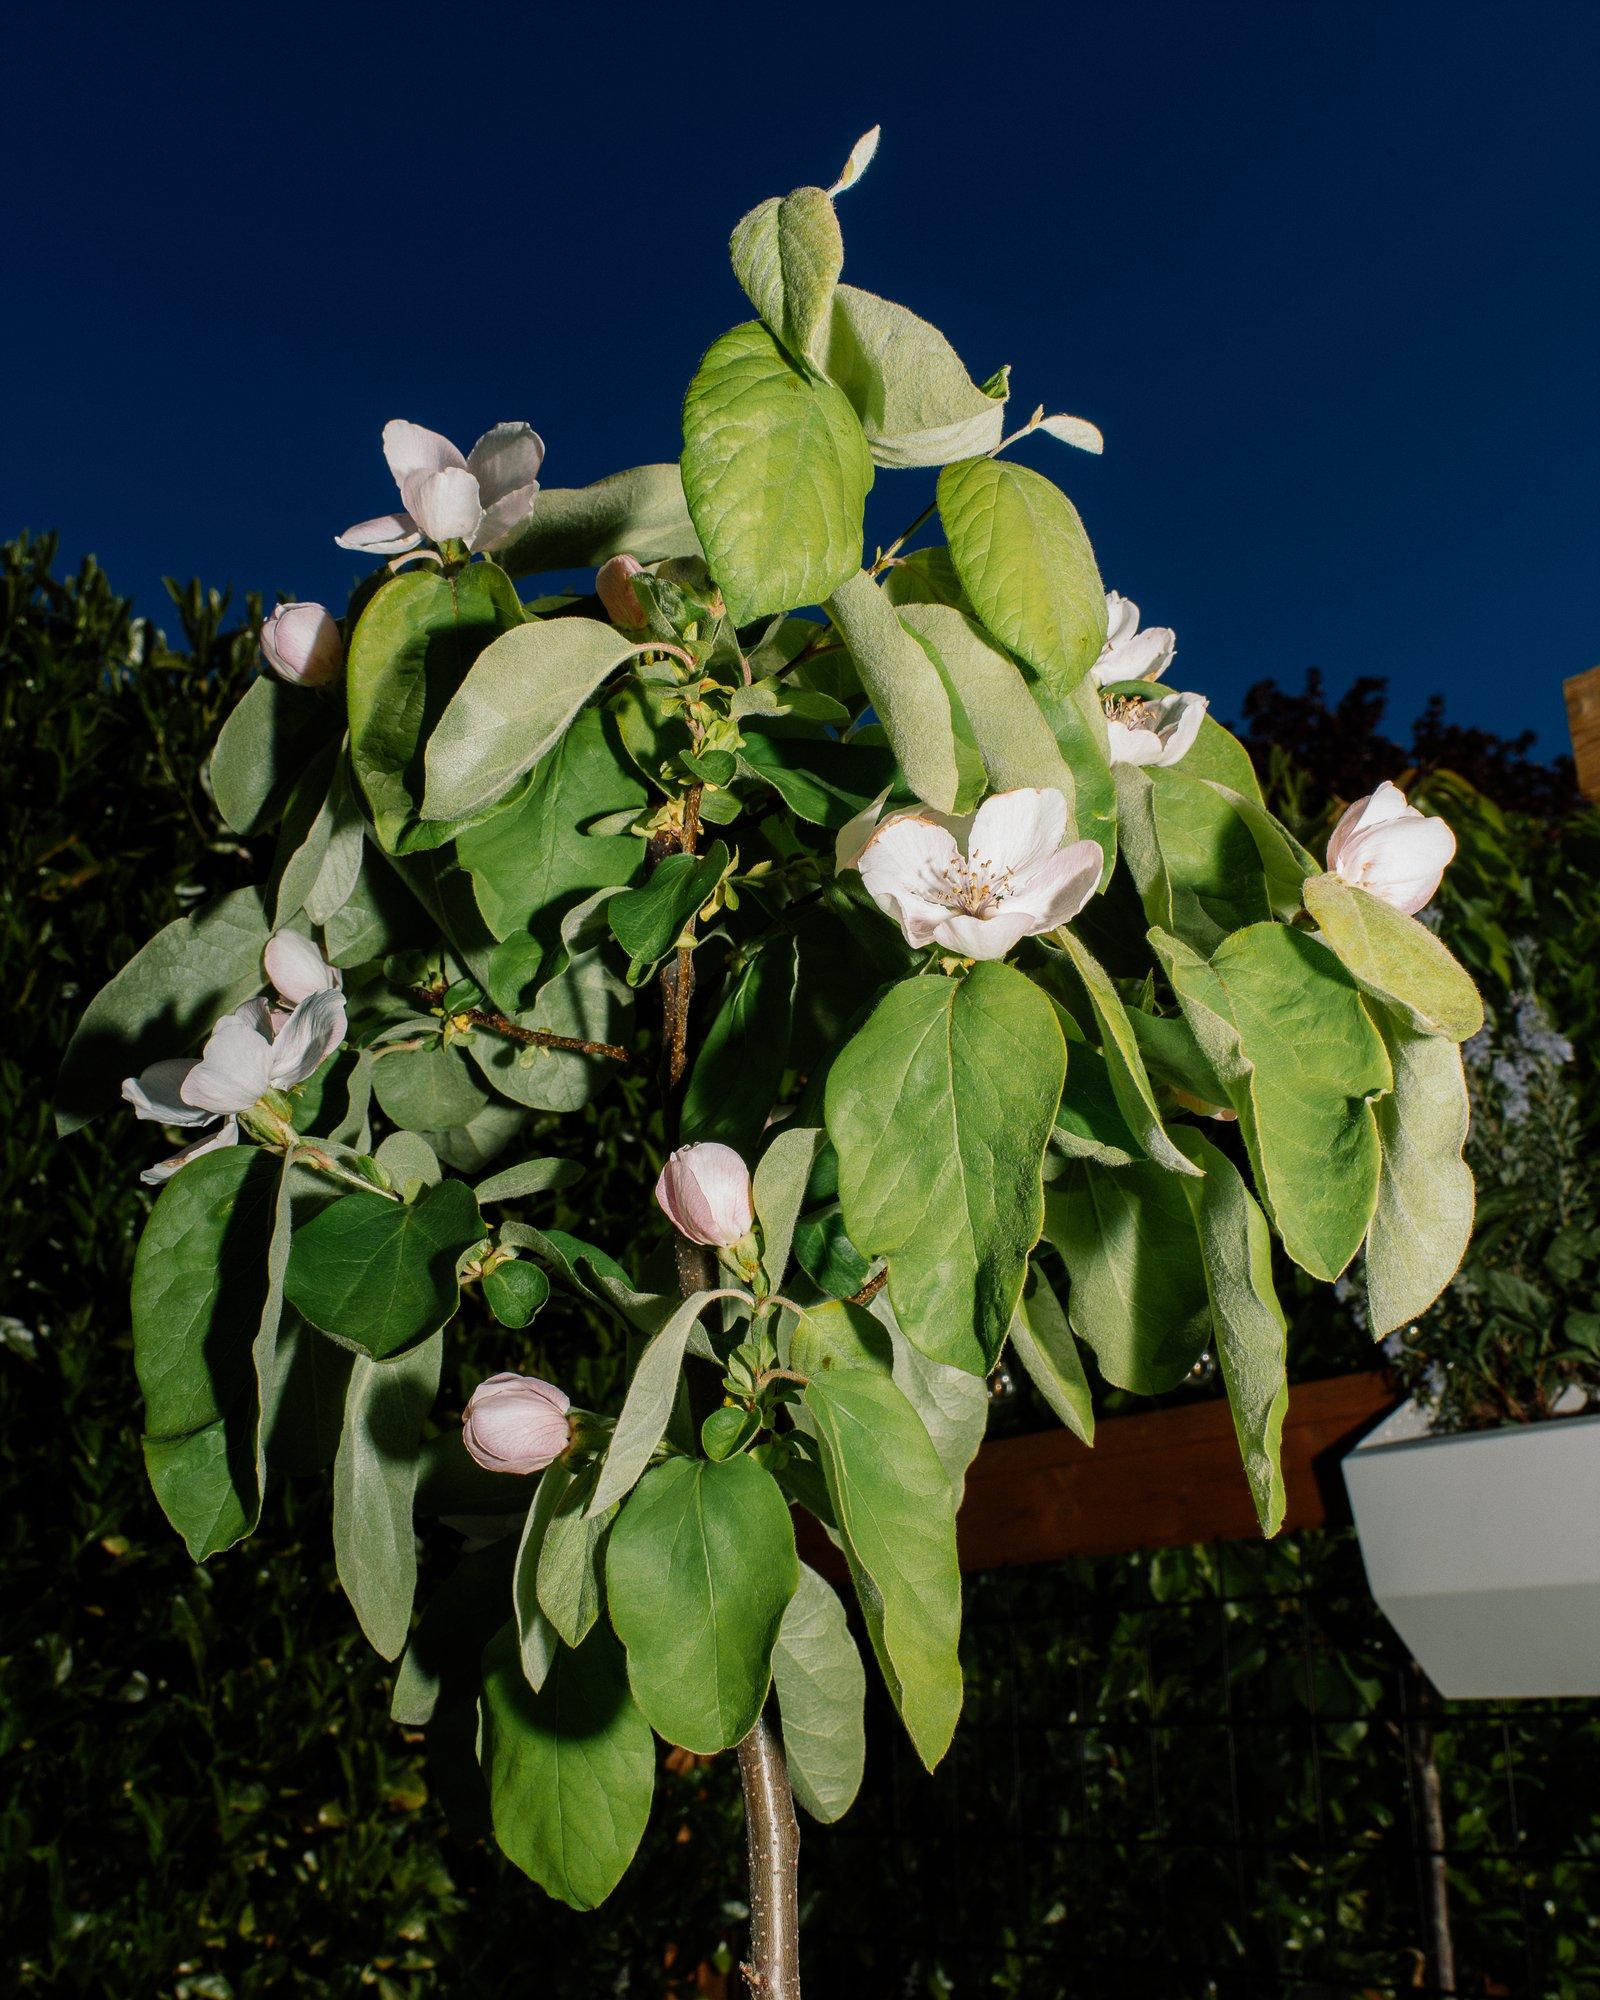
<point>1583,721</point>
<point>1163,1479</point>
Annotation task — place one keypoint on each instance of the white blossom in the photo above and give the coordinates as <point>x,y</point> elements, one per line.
<point>1129,654</point>
<point>481,499</point>
<point>1015,879</point>
<point>704,1192</point>
<point>1391,850</point>
<point>1155,732</point>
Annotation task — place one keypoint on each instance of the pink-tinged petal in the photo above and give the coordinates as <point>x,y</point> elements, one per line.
<point>1178,718</point>
<point>226,1134</point>
<point>501,521</point>
<point>1388,802</point>
<point>156,1093</point>
<point>1400,861</point>
<point>505,460</point>
<point>910,866</point>
<point>613,584</point>
<point>301,643</point>
<point>444,505</point>
<point>1012,831</point>
<point>306,1040</point>
<point>1053,891</point>
<point>1131,746</point>
<point>516,1424</point>
<point>383,535</point>
<point>412,450</point>
<point>234,1070</point>
<point>296,967</point>
<point>704,1192</point>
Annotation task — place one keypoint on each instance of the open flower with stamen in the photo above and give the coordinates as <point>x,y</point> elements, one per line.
<point>1152,732</point>
<point>255,1049</point>
<point>1391,850</point>
<point>1015,879</point>
<point>480,499</point>
<point>1129,654</point>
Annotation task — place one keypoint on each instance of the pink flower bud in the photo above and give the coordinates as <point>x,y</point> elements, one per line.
<point>516,1423</point>
<point>704,1192</point>
<point>302,644</point>
<point>615,586</point>
<point>1391,850</point>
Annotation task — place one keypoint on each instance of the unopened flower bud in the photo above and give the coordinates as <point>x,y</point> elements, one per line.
<point>302,644</point>
<point>1391,850</point>
<point>516,1423</point>
<point>704,1192</point>
<point>614,584</point>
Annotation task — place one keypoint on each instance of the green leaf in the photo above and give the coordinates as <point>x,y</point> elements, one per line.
<point>778,1187</point>
<point>528,1177</point>
<point>1025,562</point>
<point>728,1429</point>
<point>1016,743</point>
<point>640,513</point>
<point>906,383</point>
<point>1246,1319</point>
<point>823,1250</point>
<point>1079,726</point>
<point>648,921</point>
<point>572,1561</point>
<point>537,1639</point>
<point>1283,1025</point>
<point>1043,1342</point>
<point>940,1108</point>
<point>374,1486</point>
<point>514,1292</point>
<point>1423,1220</point>
<point>428,1089</point>
<point>1210,881</point>
<point>647,1406</point>
<point>1130,1084</point>
<point>303,1417</point>
<point>571,1769</point>
<point>787,255</point>
<point>539,854</point>
<point>737,1075</point>
<point>907,694</point>
<point>822,1691</point>
<point>1395,958</point>
<point>825,782</point>
<point>167,995</point>
<point>201,1482</point>
<point>264,746</point>
<point>410,651</point>
<point>517,698</point>
<point>896,1515</point>
<point>700,1569</point>
<point>776,472</point>
<point>1138,1297</point>
<point>382,1274</point>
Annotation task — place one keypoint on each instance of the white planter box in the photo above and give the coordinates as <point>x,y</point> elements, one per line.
<point>1483,1550</point>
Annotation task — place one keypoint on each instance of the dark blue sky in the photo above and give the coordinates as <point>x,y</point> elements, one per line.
<point>1325,275</point>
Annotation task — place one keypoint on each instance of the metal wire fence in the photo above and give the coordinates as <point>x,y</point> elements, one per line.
<point>1215,1772</point>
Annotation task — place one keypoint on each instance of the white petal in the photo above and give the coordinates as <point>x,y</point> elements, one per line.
<point>383,535</point>
<point>1376,809</point>
<point>908,867</point>
<point>309,1036</point>
<point>1015,830</point>
<point>1122,618</point>
<point>226,1134</point>
<point>296,967</point>
<point>156,1093</point>
<point>505,460</point>
<point>410,450</point>
<point>1178,720</point>
<point>1131,746</point>
<point>1056,889</point>
<point>444,505</point>
<point>984,937</point>
<point>501,521</point>
<point>1147,655</point>
<point>1400,861</point>
<point>235,1069</point>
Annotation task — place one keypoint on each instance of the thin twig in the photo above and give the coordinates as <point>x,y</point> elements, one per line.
<point>870,1289</point>
<point>532,1038</point>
